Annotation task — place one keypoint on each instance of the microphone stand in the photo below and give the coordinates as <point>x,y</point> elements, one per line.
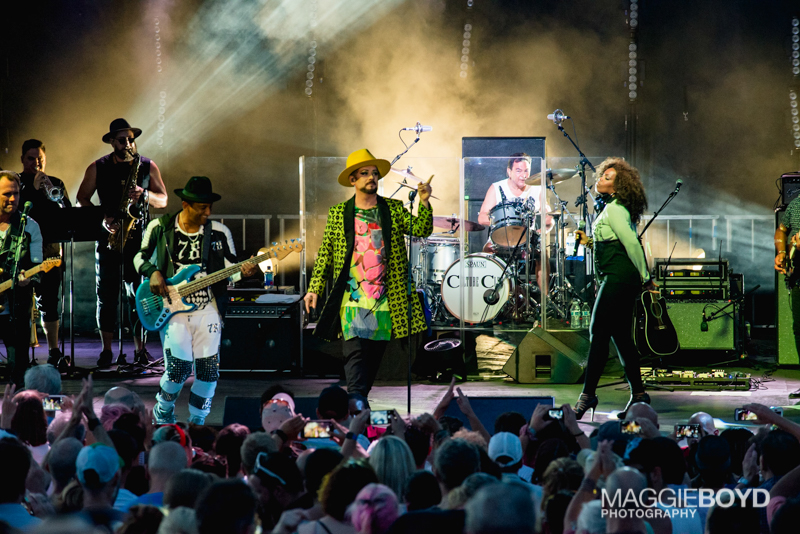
<point>664,205</point>
<point>410,303</point>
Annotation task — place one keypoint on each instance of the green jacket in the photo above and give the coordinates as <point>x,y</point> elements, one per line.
<point>336,251</point>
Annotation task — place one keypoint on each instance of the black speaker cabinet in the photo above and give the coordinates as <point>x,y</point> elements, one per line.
<point>549,357</point>
<point>488,408</point>
<point>261,337</point>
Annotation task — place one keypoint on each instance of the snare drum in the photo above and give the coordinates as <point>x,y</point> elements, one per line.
<point>481,274</point>
<point>507,223</point>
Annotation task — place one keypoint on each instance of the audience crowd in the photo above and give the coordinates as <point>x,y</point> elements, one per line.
<point>87,466</point>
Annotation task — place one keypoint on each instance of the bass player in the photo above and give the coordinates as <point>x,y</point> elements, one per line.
<point>790,226</point>
<point>190,339</point>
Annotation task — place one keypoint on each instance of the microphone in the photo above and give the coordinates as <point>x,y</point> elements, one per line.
<point>678,184</point>
<point>491,296</point>
<point>557,117</point>
<point>419,128</point>
<point>582,227</point>
<point>27,208</point>
<point>502,195</point>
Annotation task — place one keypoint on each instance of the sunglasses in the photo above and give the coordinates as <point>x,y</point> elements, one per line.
<point>276,401</point>
<point>258,467</point>
<point>121,140</point>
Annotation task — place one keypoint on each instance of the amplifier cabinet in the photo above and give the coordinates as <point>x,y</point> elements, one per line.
<point>787,350</point>
<point>261,337</point>
<point>687,317</point>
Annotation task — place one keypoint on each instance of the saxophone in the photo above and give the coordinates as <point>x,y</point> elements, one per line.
<point>128,213</point>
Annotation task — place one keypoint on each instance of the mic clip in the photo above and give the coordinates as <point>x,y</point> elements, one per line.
<point>491,296</point>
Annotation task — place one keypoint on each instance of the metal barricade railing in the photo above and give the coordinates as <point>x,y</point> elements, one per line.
<point>267,221</point>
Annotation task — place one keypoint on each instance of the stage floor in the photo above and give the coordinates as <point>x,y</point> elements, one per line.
<point>673,407</point>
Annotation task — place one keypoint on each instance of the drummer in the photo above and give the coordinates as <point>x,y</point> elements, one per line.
<point>514,189</point>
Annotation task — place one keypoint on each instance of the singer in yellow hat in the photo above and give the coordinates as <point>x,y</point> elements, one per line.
<point>364,243</point>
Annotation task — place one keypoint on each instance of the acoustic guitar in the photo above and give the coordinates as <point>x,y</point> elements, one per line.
<point>654,333</point>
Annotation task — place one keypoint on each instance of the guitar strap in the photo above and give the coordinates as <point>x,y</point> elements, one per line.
<point>206,245</point>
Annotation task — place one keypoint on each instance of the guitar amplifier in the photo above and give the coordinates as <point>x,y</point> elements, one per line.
<point>261,337</point>
<point>687,317</point>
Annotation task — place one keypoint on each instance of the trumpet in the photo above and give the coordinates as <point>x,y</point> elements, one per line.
<point>54,193</point>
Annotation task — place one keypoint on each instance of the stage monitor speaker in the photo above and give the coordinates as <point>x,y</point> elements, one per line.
<point>787,350</point>
<point>261,337</point>
<point>687,317</point>
<point>488,408</point>
<point>247,410</point>
<point>549,357</point>
<point>790,187</point>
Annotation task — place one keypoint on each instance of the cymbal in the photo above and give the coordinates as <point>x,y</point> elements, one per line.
<point>554,175</point>
<point>414,188</point>
<point>450,222</point>
<point>407,174</point>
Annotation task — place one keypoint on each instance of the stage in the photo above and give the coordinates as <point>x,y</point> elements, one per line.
<point>672,407</point>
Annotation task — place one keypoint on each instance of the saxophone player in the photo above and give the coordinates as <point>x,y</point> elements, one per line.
<point>108,177</point>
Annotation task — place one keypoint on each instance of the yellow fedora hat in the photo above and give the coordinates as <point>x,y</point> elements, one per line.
<point>362,158</point>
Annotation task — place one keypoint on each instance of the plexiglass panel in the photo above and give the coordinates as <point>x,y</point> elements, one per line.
<point>501,257</point>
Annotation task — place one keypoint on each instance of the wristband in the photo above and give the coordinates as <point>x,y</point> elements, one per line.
<point>587,485</point>
<point>781,252</point>
<point>579,433</point>
<point>281,434</point>
<point>350,435</point>
<point>93,423</point>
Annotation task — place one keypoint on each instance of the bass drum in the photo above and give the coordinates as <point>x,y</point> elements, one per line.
<point>481,274</point>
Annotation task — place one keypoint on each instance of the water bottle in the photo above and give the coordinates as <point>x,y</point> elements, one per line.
<point>586,315</point>
<point>575,314</point>
<point>268,278</point>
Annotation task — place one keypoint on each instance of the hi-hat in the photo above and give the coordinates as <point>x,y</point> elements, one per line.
<point>454,222</point>
<point>553,175</point>
<point>407,174</point>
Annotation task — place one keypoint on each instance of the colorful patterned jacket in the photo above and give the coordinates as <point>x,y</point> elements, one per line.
<point>337,251</point>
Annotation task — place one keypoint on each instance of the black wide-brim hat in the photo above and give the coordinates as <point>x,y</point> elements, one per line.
<point>198,189</point>
<point>117,125</point>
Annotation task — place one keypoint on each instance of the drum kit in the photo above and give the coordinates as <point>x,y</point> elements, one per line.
<point>499,282</point>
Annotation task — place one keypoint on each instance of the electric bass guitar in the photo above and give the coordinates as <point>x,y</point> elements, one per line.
<point>654,332</point>
<point>156,311</point>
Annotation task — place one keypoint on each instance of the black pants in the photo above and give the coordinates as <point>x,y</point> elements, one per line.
<point>612,319</point>
<point>16,336</point>
<point>362,358</point>
<point>107,281</point>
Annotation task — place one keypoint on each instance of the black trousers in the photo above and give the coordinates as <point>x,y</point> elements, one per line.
<point>612,319</point>
<point>362,358</point>
<point>16,334</point>
<point>107,282</point>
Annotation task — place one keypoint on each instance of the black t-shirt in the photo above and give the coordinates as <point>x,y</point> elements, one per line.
<point>187,249</point>
<point>44,211</point>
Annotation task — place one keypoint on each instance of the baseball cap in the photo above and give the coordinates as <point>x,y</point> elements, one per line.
<point>333,403</point>
<point>505,444</point>
<point>101,459</point>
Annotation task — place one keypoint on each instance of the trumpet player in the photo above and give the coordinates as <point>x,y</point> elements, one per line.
<point>108,177</point>
<point>48,195</point>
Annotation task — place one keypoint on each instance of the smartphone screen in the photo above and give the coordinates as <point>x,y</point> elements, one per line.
<point>556,414</point>
<point>740,414</point>
<point>317,429</point>
<point>379,417</point>
<point>687,431</point>
<point>51,403</point>
<point>630,427</point>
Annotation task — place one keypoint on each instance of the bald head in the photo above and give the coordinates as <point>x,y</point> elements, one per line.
<point>642,410</point>
<point>166,458</point>
<point>625,480</point>
<point>126,397</point>
<point>706,423</point>
<point>61,461</point>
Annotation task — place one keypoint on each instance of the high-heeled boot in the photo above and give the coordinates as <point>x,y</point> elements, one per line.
<point>585,402</point>
<point>635,397</point>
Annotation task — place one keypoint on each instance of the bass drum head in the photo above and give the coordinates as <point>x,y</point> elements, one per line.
<point>481,273</point>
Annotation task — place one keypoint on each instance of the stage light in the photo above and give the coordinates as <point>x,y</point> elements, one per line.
<point>465,44</point>
<point>229,57</point>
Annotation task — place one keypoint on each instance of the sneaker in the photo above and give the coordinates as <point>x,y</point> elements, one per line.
<point>163,417</point>
<point>106,358</point>
<point>63,364</point>
<point>142,357</point>
<point>53,356</point>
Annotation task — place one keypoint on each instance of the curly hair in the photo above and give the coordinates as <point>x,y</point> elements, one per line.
<point>562,474</point>
<point>628,186</point>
